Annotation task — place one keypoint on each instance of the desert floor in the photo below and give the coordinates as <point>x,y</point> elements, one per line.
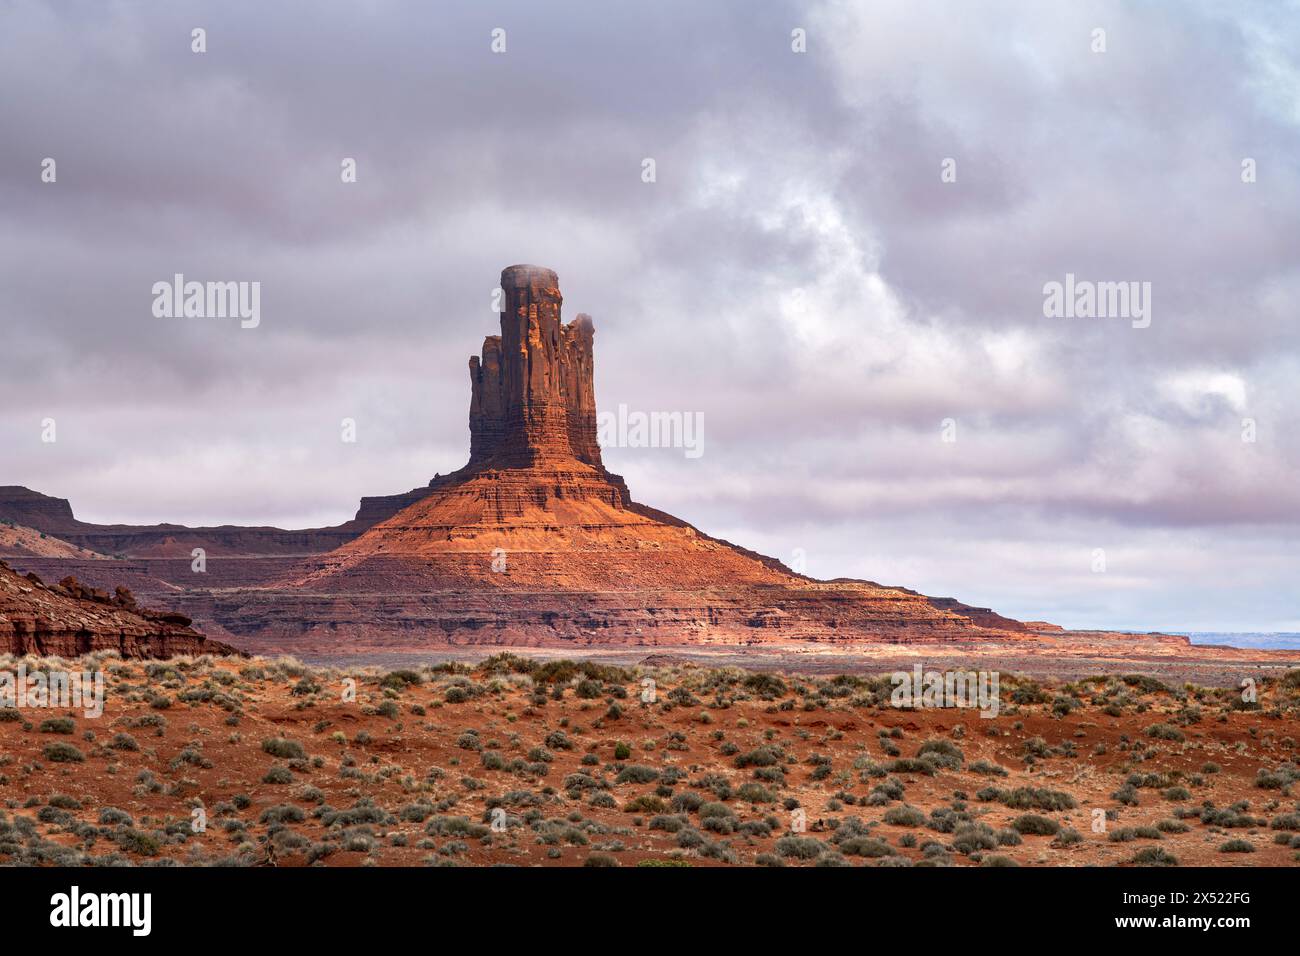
<point>517,761</point>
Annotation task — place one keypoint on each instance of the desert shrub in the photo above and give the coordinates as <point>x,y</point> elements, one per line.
<point>905,816</point>
<point>687,802</point>
<point>765,756</point>
<point>766,686</point>
<point>887,790</point>
<point>669,823</point>
<point>400,679</point>
<point>579,782</point>
<point>1144,683</point>
<point>716,809</point>
<point>1230,817</point>
<point>1028,798</point>
<point>942,753</point>
<point>58,725</point>
<point>123,741</point>
<point>912,765</point>
<point>637,774</point>
<point>1154,856</point>
<point>1237,846</point>
<point>1128,834</point>
<point>278,775</point>
<point>646,803</point>
<point>458,827</point>
<point>1035,825</point>
<point>1127,795</point>
<point>1165,732</point>
<point>1067,836</point>
<point>870,847</point>
<point>755,793</point>
<point>284,749</point>
<point>282,813</point>
<point>136,841</point>
<point>799,848</point>
<point>973,837</point>
<point>558,740</point>
<point>63,753</point>
<point>1279,778</point>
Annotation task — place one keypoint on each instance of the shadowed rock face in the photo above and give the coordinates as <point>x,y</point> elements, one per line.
<point>69,619</point>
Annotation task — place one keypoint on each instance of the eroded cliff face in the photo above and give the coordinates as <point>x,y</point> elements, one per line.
<point>69,619</point>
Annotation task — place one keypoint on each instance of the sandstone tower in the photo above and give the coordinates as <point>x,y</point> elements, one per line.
<point>532,399</point>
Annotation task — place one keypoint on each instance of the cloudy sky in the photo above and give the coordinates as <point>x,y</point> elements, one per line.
<point>799,272</point>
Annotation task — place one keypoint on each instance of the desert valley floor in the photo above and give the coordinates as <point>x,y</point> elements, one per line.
<point>523,762</point>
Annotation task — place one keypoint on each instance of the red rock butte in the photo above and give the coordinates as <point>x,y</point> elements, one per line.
<point>532,542</point>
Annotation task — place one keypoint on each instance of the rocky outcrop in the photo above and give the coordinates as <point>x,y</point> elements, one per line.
<point>70,619</point>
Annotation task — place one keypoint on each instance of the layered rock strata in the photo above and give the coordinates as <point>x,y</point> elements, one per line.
<point>69,619</point>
